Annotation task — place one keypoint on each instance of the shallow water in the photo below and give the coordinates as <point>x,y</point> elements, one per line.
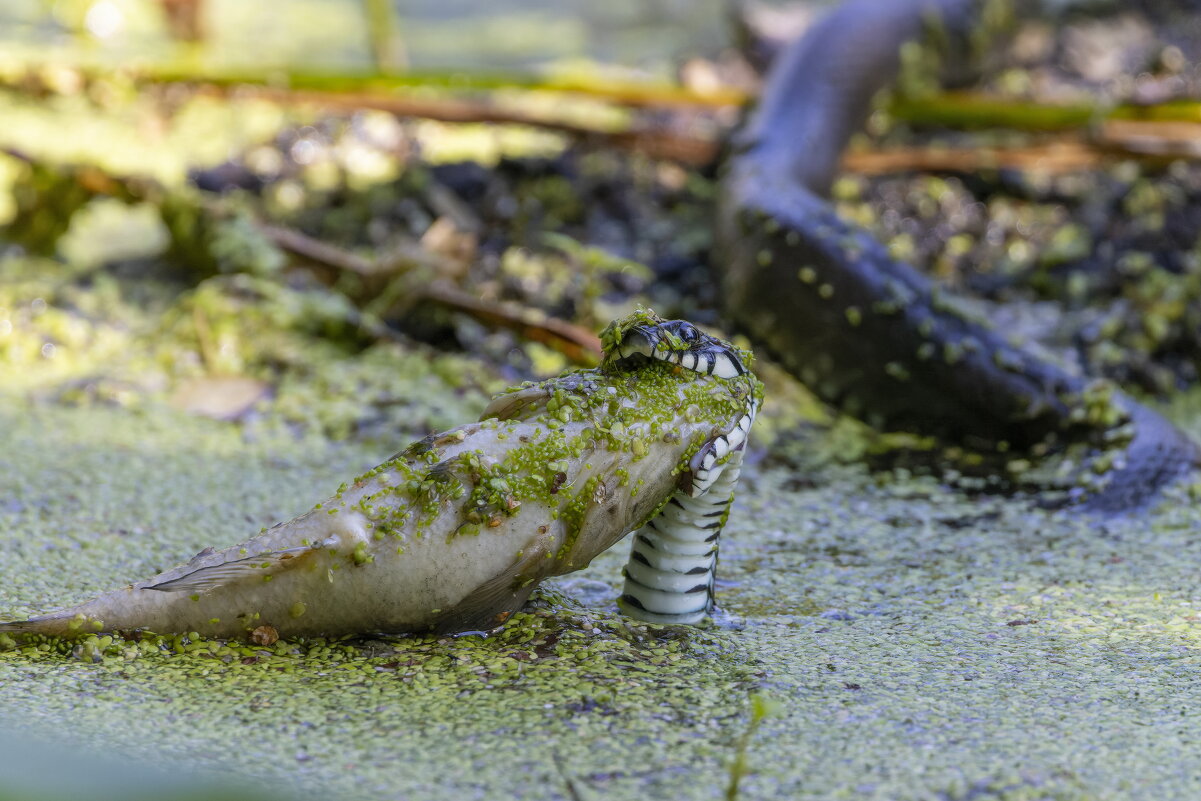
<point>918,643</point>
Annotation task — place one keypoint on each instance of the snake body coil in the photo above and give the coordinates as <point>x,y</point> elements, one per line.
<point>870,334</point>
<point>670,575</point>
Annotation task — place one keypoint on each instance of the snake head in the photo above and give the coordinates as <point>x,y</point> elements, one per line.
<point>644,335</point>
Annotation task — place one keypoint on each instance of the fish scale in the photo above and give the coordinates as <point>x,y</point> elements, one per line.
<point>454,532</point>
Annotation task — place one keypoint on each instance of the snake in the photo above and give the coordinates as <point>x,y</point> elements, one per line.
<point>454,532</point>
<point>874,336</point>
<point>672,566</point>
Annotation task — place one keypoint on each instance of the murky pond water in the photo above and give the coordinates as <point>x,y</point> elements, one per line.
<point>918,643</point>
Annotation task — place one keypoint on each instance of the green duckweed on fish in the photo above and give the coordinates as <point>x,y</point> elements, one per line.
<point>454,532</point>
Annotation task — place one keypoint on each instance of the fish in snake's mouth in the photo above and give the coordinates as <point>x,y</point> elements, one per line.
<point>644,336</point>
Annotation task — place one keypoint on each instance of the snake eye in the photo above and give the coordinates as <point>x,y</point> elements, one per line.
<point>689,333</point>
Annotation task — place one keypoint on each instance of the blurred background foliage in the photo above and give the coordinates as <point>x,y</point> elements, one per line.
<point>184,223</point>
<point>360,35</point>
<point>325,216</point>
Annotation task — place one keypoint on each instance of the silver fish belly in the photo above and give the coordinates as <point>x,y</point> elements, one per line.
<point>453,533</point>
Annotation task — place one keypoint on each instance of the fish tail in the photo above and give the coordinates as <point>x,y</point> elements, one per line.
<point>58,623</point>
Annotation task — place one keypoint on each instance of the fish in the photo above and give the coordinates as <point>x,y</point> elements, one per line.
<point>454,532</point>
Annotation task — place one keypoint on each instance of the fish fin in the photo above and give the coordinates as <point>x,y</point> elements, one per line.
<point>512,404</point>
<point>53,623</point>
<point>204,579</point>
<point>492,603</point>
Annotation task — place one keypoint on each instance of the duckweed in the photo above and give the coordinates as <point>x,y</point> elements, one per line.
<point>881,615</point>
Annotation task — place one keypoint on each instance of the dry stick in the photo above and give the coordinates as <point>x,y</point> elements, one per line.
<point>1116,140</point>
<point>576,343</point>
<point>1153,138</point>
<point>317,251</point>
<point>1055,157</point>
<point>656,142</point>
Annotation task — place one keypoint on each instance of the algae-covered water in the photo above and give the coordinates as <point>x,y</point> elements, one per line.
<point>899,639</point>
<point>910,642</point>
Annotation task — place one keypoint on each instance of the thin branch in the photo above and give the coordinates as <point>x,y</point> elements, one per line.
<point>577,344</point>
<point>645,138</point>
<point>574,342</point>
<point>298,244</point>
<point>1055,157</point>
<point>625,92</point>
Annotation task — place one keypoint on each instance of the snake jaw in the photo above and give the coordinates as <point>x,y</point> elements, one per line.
<point>701,353</point>
<point>644,334</point>
<point>707,464</point>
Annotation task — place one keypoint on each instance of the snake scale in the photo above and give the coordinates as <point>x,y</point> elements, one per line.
<point>871,334</point>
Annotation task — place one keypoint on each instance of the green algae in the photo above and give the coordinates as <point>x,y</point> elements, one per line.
<point>88,336</point>
<point>917,641</point>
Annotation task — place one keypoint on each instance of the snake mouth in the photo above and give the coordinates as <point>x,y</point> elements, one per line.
<point>644,336</point>
<point>677,342</point>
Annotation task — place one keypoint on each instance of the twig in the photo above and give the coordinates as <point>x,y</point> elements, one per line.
<point>648,139</point>
<point>1058,156</point>
<point>315,250</point>
<point>1152,142</point>
<point>1153,138</point>
<point>634,93</point>
<point>574,342</point>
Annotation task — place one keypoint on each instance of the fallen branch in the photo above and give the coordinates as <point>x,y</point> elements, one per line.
<point>577,344</point>
<point>648,139</point>
<point>1052,157</point>
<point>1153,138</point>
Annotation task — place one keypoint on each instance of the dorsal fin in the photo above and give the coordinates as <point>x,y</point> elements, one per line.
<point>512,404</point>
<point>204,579</point>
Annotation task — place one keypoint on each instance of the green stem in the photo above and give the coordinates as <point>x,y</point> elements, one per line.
<point>962,110</point>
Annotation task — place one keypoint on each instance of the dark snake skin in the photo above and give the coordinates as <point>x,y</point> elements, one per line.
<point>873,335</point>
